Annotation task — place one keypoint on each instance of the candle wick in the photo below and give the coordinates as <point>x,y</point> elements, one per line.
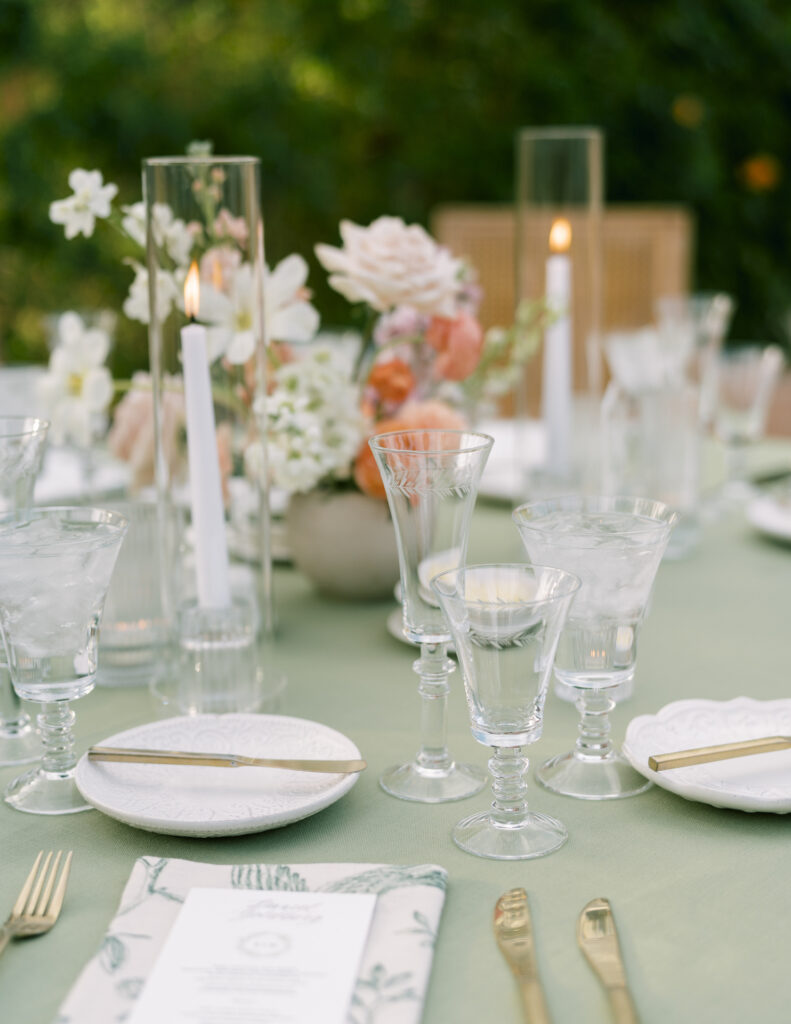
<point>192,319</point>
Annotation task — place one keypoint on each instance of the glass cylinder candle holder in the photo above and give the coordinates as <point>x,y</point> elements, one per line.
<point>207,335</point>
<point>559,189</point>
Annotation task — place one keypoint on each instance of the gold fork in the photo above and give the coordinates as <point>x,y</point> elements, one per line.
<point>37,906</point>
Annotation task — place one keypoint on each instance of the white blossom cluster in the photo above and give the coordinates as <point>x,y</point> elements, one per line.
<point>314,424</point>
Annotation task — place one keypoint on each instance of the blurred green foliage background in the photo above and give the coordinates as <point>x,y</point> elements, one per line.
<point>363,107</point>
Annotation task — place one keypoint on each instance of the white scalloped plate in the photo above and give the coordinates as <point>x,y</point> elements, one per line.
<point>201,802</point>
<point>761,782</point>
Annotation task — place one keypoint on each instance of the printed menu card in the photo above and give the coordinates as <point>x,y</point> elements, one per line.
<point>268,957</point>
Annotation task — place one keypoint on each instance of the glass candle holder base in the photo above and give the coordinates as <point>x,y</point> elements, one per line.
<point>433,785</point>
<point>536,836</point>
<point>41,792</point>
<point>19,743</point>
<point>589,778</point>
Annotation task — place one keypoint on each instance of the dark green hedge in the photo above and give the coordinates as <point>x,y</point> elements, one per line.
<point>363,107</point>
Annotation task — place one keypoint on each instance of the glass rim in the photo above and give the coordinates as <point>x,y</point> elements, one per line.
<point>183,160</point>
<point>29,425</point>
<point>87,513</point>
<point>572,580</point>
<point>571,132</point>
<point>484,441</point>
<point>662,516</point>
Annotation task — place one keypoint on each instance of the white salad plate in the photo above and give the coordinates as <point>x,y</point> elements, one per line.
<point>771,516</point>
<point>759,782</point>
<point>202,802</point>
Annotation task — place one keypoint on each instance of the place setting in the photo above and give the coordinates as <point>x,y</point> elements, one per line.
<point>226,797</point>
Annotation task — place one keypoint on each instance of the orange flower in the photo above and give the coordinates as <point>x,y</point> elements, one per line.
<point>761,173</point>
<point>366,472</point>
<point>432,415</point>
<point>393,380</point>
<point>459,343</point>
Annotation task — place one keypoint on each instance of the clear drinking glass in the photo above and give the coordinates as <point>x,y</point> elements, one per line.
<point>22,443</point>
<point>431,478</point>
<point>55,568</point>
<point>694,326</point>
<point>745,377</point>
<point>505,621</point>
<point>615,546</point>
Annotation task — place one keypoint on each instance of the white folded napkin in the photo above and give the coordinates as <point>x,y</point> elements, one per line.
<point>394,971</point>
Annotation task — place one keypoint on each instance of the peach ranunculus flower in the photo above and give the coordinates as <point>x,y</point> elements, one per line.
<point>393,381</point>
<point>458,342</point>
<point>389,264</point>
<point>131,436</point>
<point>431,415</point>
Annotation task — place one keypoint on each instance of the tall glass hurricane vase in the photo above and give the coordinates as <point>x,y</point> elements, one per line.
<point>207,337</point>
<point>505,621</point>
<point>55,568</point>
<point>22,443</point>
<point>431,478</point>
<point>615,546</point>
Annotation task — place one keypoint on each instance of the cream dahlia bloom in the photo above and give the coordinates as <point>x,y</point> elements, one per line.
<point>391,264</point>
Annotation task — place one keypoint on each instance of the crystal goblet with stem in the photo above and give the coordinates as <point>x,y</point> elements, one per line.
<point>431,480</point>
<point>55,568</point>
<point>746,374</point>
<point>22,443</point>
<point>505,621</point>
<point>615,545</point>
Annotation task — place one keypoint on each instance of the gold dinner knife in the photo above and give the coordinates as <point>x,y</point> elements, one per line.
<point>598,940</point>
<point>719,752</point>
<point>181,757</point>
<point>514,933</point>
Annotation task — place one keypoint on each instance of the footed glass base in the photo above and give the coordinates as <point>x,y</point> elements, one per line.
<point>40,792</point>
<point>433,786</point>
<point>536,836</point>
<point>19,743</point>
<point>600,778</point>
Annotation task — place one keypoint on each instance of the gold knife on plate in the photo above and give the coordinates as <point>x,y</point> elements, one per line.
<point>718,752</point>
<point>513,930</point>
<point>130,755</point>
<point>598,940</point>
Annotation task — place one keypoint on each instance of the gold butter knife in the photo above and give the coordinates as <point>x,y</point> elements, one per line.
<point>598,940</point>
<point>514,933</point>
<point>718,752</point>
<point>130,755</point>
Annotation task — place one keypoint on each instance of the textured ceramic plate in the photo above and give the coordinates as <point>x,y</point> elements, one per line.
<point>761,782</point>
<point>204,802</point>
<point>771,516</point>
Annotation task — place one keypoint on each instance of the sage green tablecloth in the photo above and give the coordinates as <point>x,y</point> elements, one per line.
<point>702,896</point>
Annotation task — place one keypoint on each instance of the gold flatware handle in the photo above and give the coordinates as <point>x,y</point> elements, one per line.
<point>533,1002</point>
<point>130,755</point>
<point>623,1010</point>
<point>718,752</point>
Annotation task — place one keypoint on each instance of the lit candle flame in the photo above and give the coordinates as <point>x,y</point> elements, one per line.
<point>192,292</point>
<point>560,235</point>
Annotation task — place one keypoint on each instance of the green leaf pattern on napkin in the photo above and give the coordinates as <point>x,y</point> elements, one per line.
<point>394,969</point>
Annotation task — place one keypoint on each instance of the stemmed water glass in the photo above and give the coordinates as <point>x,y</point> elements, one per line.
<point>615,546</point>
<point>55,568</point>
<point>745,375</point>
<point>505,621</point>
<point>22,443</point>
<point>431,479</point>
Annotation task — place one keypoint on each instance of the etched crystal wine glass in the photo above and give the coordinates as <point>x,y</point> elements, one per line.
<point>431,479</point>
<point>505,621</point>
<point>55,568</point>
<point>615,546</point>
<point>22,443</point>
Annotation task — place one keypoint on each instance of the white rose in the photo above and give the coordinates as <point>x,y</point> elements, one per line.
<point>391,264</point>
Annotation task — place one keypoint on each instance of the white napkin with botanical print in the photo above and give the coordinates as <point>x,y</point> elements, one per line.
<point>394,970</point>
